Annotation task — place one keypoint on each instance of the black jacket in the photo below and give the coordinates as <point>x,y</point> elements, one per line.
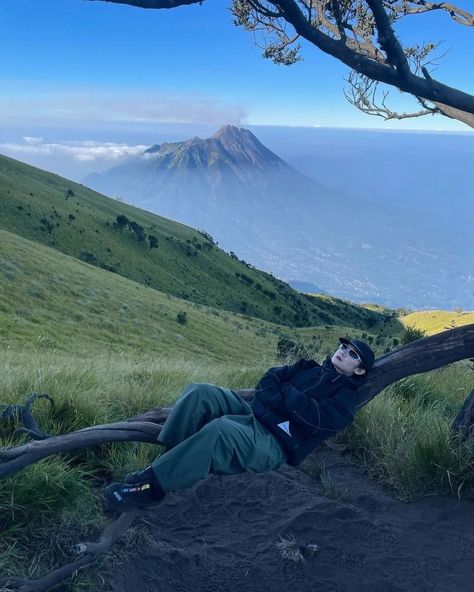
<point>303,404</point>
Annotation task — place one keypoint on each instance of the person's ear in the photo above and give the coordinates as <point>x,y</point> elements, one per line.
<point>360,371</point>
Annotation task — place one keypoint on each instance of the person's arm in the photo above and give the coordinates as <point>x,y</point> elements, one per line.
<point>278,375</point>
<point>329,415</point>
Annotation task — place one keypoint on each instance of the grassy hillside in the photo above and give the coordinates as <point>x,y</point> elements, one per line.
<point>50,301</point>
<point>107,347</point>
<point>435,321</point>
<point>152,250</point>
<point>53,302</point>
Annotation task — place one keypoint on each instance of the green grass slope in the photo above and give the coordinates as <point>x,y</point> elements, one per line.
<point>51,301</point>
<point>435,321</point>
<point>106,347</point>
<point>155,252</point>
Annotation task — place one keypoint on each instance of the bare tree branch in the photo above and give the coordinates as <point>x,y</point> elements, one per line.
<point>156,4</point>
<point>362,93</point>
<point>16,458</point>
<point>388,40</point>
<point>407,7</point>
<point>431,90</point>
<point>89,553</point>
<point>24,414</point>
<point>326,24</point>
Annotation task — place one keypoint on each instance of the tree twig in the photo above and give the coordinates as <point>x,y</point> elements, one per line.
<point>88,551</point>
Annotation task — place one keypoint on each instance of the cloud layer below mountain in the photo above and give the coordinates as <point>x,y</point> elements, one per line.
<point>84,151</point>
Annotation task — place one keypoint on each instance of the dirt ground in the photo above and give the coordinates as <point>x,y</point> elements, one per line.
<point>260,532</point>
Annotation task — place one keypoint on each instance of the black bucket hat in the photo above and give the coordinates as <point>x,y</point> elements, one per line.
<point>365,352</point>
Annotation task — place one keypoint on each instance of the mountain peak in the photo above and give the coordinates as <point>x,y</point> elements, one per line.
<point>227,129</point>
<point>232,132</point>
<point>244,146</point>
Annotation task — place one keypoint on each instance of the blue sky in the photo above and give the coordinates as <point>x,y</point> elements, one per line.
<point>95,62</point>
<point>86,83</point>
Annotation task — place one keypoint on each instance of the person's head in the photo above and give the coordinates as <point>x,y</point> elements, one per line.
<point>353,357</point>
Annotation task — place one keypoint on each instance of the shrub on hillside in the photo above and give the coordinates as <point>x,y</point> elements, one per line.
<point>138,230</point>
<point>88,257</point>
<point>287,348</point>
<point>208,237</point>
<point>152,241</point>
<point>182,317</point>
<point>411,334</point>
<point>121,222</point>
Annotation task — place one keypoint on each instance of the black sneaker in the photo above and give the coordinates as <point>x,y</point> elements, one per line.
<point>122,497</point>
<point>143,476</point>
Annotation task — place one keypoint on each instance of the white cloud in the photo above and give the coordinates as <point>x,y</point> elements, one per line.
<point>85,151</point>
<point>99,105</point>
<point>32,140</point>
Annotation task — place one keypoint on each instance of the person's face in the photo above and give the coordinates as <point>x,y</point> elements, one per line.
<point>344,361</point>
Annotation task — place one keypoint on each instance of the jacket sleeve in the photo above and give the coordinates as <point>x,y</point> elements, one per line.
<point>329,415</point>
<point>279,374</point>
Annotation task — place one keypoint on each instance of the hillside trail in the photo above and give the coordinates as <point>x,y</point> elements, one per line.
<point>223,534</point>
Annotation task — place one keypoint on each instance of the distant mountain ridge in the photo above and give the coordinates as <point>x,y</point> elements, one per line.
<point>187,180</point>
<point>280,220</point>
<point>159,253</point>
<point>230,143</point>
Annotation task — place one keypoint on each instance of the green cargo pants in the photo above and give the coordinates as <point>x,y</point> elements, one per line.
<point>212,430</point>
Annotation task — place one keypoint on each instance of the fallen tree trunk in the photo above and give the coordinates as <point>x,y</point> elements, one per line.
<point>416,357</point>
<point>419,356</point>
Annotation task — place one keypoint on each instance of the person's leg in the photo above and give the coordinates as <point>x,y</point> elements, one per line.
<point>225,446</point>
<point>199,404</point>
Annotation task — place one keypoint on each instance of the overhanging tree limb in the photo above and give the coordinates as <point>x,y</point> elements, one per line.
<point>429,89</point>
<point>348,32</point>
<point>152,4</point>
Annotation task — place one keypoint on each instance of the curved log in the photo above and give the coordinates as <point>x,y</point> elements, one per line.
<point>416,357</point>
<point>89,551</point>
<point>24,414</point>
<point>17,457</point>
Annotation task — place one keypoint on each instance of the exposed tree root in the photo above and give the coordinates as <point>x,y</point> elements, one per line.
<point>88,551</point>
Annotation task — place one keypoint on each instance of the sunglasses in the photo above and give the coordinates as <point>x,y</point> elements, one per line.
<point>351,353</point>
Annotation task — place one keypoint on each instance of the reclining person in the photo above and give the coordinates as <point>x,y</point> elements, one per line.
<point>212,430</point>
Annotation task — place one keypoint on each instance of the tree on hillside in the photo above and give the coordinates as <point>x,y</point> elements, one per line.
<point>152,241</point>
<point>361,35</point>
<point>138,230</point>
<point>121,222</point>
